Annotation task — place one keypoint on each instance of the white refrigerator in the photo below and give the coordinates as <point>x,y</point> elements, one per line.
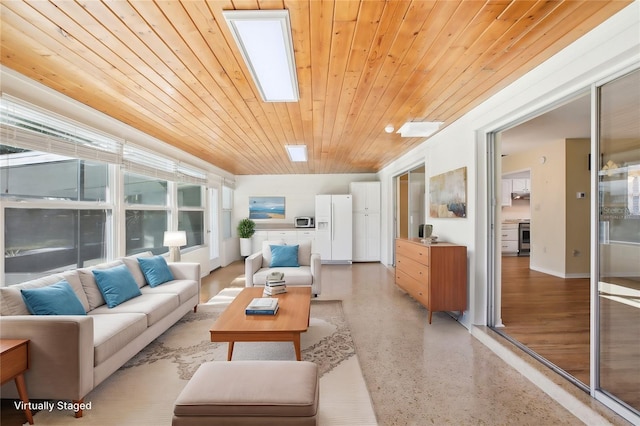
<point>334,228</point>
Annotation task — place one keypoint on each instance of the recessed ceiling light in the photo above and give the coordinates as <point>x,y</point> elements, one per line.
<point>418,129</point>
<point>297,153</point>
<point>389,128</point>
<point>264,39</point>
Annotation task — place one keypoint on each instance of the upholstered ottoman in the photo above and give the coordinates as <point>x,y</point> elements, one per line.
<point>235,393</point>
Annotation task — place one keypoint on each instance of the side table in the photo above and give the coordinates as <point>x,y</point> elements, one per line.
<point>14,361</point>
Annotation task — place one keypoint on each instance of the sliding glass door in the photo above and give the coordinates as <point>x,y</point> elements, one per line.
<point>618,263</point>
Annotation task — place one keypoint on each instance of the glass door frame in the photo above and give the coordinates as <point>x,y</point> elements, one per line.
<point>595,389</point>
<point>493,318</point>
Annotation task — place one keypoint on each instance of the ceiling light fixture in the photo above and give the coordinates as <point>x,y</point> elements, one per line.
<point>419,129</point>
<point>264,39</point>
<point>297,153</point>
<point>389,128</point>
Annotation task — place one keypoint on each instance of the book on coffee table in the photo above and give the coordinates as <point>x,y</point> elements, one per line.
<point>262,306</point>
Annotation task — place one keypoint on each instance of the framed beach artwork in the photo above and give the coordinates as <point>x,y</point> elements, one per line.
<point>448,194</point>
<point>266,208</point>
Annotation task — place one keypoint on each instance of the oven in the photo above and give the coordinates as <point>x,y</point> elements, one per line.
<point>524,239</point>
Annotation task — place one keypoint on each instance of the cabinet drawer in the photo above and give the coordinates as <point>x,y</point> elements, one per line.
<point>419,290</point>
<point>509,234</point>
<point>412,268</point>
<point>417,252</point>
<point>305,235</point>
<point>509,246</point>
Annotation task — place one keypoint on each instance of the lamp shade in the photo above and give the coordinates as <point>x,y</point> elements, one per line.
<point>175,238</point>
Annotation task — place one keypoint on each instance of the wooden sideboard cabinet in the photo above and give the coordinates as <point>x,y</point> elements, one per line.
<point>433,274</point>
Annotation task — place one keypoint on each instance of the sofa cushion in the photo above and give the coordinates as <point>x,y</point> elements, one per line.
<point>155,270</point>
<point>116,285</point>
<point>94,296</point>
<point>185,289</point>
<point>134,267</point>
<point>12,303</point>
<point>292,276</point>
<point>284,256</point>
<point>54,299</point>
<point>155,306</point>
<point>113,332</point>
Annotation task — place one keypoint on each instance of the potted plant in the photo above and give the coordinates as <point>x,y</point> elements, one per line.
<point>246,229</point>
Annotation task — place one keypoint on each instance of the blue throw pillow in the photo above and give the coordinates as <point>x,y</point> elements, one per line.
<point>55,299</point>
<point>116,284</point>
<point>284,256</point>
<point>155,270</point>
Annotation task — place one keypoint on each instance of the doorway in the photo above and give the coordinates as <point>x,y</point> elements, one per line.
<point>581,290</point>
<point>410,202</point>
<point>544,220</point>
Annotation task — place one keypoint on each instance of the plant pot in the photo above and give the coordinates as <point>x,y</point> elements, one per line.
<point>245,246</point>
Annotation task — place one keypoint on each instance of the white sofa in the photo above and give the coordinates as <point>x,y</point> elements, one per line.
<point>72,354</point>
<point>257,267</point>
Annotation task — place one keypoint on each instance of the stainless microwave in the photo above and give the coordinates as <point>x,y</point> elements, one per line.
<point>304,222</point>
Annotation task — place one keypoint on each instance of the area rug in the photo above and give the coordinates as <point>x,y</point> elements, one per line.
<point>143,391</point>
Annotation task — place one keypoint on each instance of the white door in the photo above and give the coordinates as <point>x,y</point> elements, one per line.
<point>214,230</point>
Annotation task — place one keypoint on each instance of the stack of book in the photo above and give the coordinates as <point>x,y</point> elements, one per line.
<point>273,287</point>
<point>262,306</point>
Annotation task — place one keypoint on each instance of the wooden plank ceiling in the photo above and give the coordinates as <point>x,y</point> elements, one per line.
<point>172,69</point>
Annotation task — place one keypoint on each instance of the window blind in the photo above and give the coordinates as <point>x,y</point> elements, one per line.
<point>29,127</point>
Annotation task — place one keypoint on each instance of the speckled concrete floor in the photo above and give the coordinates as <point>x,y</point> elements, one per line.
<point>438,374</point>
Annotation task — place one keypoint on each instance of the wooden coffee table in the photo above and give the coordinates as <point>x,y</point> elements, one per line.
<point>286,325</point>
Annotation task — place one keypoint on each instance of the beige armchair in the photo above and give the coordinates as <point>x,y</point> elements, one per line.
<point>258,266</point>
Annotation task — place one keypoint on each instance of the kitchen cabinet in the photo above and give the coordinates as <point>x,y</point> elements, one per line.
<point>366,221</point>
<point>520,185</point>
<point>288,236</point>
<point>366,196</point>
<point>507,186</point>
<point>307,235</point>
<point>433,274</point>
<point>509,239</point>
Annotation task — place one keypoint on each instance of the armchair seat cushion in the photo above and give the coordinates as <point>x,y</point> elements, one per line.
<point>300,275</point>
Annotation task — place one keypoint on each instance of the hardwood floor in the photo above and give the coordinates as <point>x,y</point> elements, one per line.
<point>551,316</point>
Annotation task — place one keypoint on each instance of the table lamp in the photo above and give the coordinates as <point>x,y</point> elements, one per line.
<point>174,240</point>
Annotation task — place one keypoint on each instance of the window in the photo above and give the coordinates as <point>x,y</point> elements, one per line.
<point>227,210</point>
<point>59,200</point>
<point>39,241</point>
<point>144,227</point>
<point>144,190</point>
<point>27,174</point>
<point>145,231</point>
<point>191,213</point>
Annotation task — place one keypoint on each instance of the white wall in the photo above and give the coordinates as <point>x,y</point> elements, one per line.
<point>610,48</point>
<point>299,191</point>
